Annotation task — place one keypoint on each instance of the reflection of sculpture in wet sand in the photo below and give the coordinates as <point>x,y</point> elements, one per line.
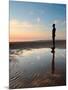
<point>53,61</point>
<point>53,49</point>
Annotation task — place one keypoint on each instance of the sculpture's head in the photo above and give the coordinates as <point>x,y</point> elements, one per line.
<point>53,25</point>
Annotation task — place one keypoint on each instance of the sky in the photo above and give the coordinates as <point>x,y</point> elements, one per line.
<point>33,21</point>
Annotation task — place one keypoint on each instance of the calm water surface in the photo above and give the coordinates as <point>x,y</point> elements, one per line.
<point>37,67</point>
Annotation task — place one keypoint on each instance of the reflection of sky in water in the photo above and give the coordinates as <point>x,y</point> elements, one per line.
<point>35,65</point>
<point>60,60</point>
<point>37,59</point>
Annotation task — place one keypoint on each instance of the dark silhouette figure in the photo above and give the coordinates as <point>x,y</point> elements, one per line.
<point>53,48</point>
<point>53,35</point>
<point>53,60</point>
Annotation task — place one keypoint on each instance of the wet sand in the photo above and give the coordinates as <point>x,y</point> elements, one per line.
<point>26,72</point>
<point>37,44</point>
<point>36,80</point>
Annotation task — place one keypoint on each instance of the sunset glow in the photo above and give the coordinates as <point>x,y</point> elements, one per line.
<point>36,25</point>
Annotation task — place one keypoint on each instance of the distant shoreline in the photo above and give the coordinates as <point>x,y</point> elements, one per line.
<point>37,44</point>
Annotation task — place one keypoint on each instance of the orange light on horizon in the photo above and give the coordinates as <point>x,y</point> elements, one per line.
<point>24,31</point>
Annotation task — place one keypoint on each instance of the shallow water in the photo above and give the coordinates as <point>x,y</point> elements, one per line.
<point>37,67</point>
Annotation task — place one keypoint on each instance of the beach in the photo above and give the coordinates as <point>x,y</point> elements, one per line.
<point>32,65</point>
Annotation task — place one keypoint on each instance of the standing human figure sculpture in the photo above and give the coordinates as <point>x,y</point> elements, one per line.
<point>53,35</point>
<point>53,48</point>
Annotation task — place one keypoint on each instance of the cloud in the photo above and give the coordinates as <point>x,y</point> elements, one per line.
<point>56,21</point>
<point>59,22</point>
<point>31,13</point>
<point>26,26</point>
<point>14,24</point>
<point>38,19</point>
<point>27,31</point>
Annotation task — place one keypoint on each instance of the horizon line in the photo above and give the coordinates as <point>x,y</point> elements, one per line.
<point>37,40</point>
